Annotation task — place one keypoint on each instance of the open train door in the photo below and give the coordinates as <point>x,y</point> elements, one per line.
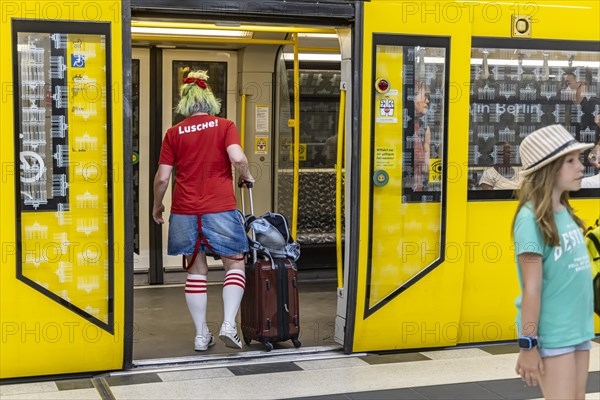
<point>406,289</point>
<point>66,164</point>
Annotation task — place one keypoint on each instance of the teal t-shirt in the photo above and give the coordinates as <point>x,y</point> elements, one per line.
<point>566,313</point>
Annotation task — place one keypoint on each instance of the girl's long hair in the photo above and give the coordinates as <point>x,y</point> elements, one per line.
<point>536,189</point>
<point>195,99</point>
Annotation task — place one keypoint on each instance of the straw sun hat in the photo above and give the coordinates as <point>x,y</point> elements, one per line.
<point>545,145</point>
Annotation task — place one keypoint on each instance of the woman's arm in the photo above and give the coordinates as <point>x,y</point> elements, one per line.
<point>161,183</point>
<point>488,179</point>
<point>529,363</point>
<point>531,274</point>
<point>240,162</point>
<point>427,141</point>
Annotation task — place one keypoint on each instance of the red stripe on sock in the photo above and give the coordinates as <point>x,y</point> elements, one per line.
<point>196,280</point>
<point>195,291</point>
<point>232,274</point>
<point>235,276</point>
<point>232,280</point>
<point>234,283</point>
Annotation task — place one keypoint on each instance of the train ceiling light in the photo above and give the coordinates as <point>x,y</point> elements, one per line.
<point>190,32</point>
<point>317,35</point>
<point>222,27</point>
<point>536,63</point>
<point>313,57</point>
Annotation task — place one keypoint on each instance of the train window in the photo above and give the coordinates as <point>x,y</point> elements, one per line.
<point>217,73</point>
<point>43,123</point>
<point>319,110</point>
<point>422,129</point>
<point>516,90</point>
<point>408,153</point>
<point>63,138</point>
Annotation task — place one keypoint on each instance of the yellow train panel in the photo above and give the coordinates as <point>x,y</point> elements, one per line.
<point>469,296</point>
<point>491,284</point>
<point>62,276</point>
<point>427,313</point>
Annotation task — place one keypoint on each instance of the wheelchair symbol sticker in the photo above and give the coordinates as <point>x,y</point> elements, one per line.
<point>77,61</point>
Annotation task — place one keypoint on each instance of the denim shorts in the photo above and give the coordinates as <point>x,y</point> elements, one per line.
<point>224,232</point>
<point>587,345</point>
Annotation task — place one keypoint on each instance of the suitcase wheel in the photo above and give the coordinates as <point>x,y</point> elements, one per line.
<point>296,343</point>
<point>247,341</point>
<point>268,346</point>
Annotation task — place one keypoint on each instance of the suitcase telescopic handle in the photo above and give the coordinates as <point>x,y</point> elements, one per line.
<point>251,200</point>
<point>246,183</point>
<point>249,186</point>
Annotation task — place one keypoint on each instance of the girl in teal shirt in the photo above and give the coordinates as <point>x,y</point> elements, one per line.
<point>555,309</point>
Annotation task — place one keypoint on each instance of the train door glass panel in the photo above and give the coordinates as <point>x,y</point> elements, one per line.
<point>222,71</point>
<point>140,107</point>
<point>319,110</point>
<point>64,189</point>
<point>518,90</point>
<point>408,147</point>
<point>283,140</point>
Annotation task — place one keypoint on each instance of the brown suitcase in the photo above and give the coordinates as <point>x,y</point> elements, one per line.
<point>270,311</point>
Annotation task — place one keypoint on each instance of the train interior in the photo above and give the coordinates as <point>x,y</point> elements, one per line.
<point>251,69</point>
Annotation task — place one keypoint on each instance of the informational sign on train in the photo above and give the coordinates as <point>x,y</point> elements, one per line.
<point>385,157</point>
<point>435,170</point>
<point>261,144</point>
<point>387,108</point>
<point>301,152</point>
<point>262,118</point>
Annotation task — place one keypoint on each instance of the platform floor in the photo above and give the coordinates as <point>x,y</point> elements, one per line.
<point>467,373</point>
<point>167,367</point>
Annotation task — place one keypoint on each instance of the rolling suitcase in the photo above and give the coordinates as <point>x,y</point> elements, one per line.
<point>270,309</point>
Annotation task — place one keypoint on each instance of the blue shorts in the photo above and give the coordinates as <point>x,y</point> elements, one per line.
<point>587,345</point>
<point>224,232</point>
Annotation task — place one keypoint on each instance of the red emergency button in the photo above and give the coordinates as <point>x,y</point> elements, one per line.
<point>382,85</point>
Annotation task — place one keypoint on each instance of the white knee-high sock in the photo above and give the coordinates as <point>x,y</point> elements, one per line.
<point>196,298</point>
<point>233,290</point>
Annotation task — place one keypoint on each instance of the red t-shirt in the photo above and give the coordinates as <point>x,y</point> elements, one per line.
<point>197,148</point>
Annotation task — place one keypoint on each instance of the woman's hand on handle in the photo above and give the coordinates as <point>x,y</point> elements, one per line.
<point>247,181</point>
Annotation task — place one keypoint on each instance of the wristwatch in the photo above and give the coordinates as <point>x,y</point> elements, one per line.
<point>528,342</point>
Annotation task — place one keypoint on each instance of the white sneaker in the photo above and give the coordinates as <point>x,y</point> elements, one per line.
<point>229,336</point>
<point>202,343</point>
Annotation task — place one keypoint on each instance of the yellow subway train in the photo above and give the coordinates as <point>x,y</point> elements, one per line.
<point>386,131</point>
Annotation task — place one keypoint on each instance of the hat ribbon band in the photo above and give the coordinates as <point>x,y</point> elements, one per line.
<point>553,153</point>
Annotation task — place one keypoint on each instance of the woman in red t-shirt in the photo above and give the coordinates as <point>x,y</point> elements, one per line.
<point>204,217</point>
